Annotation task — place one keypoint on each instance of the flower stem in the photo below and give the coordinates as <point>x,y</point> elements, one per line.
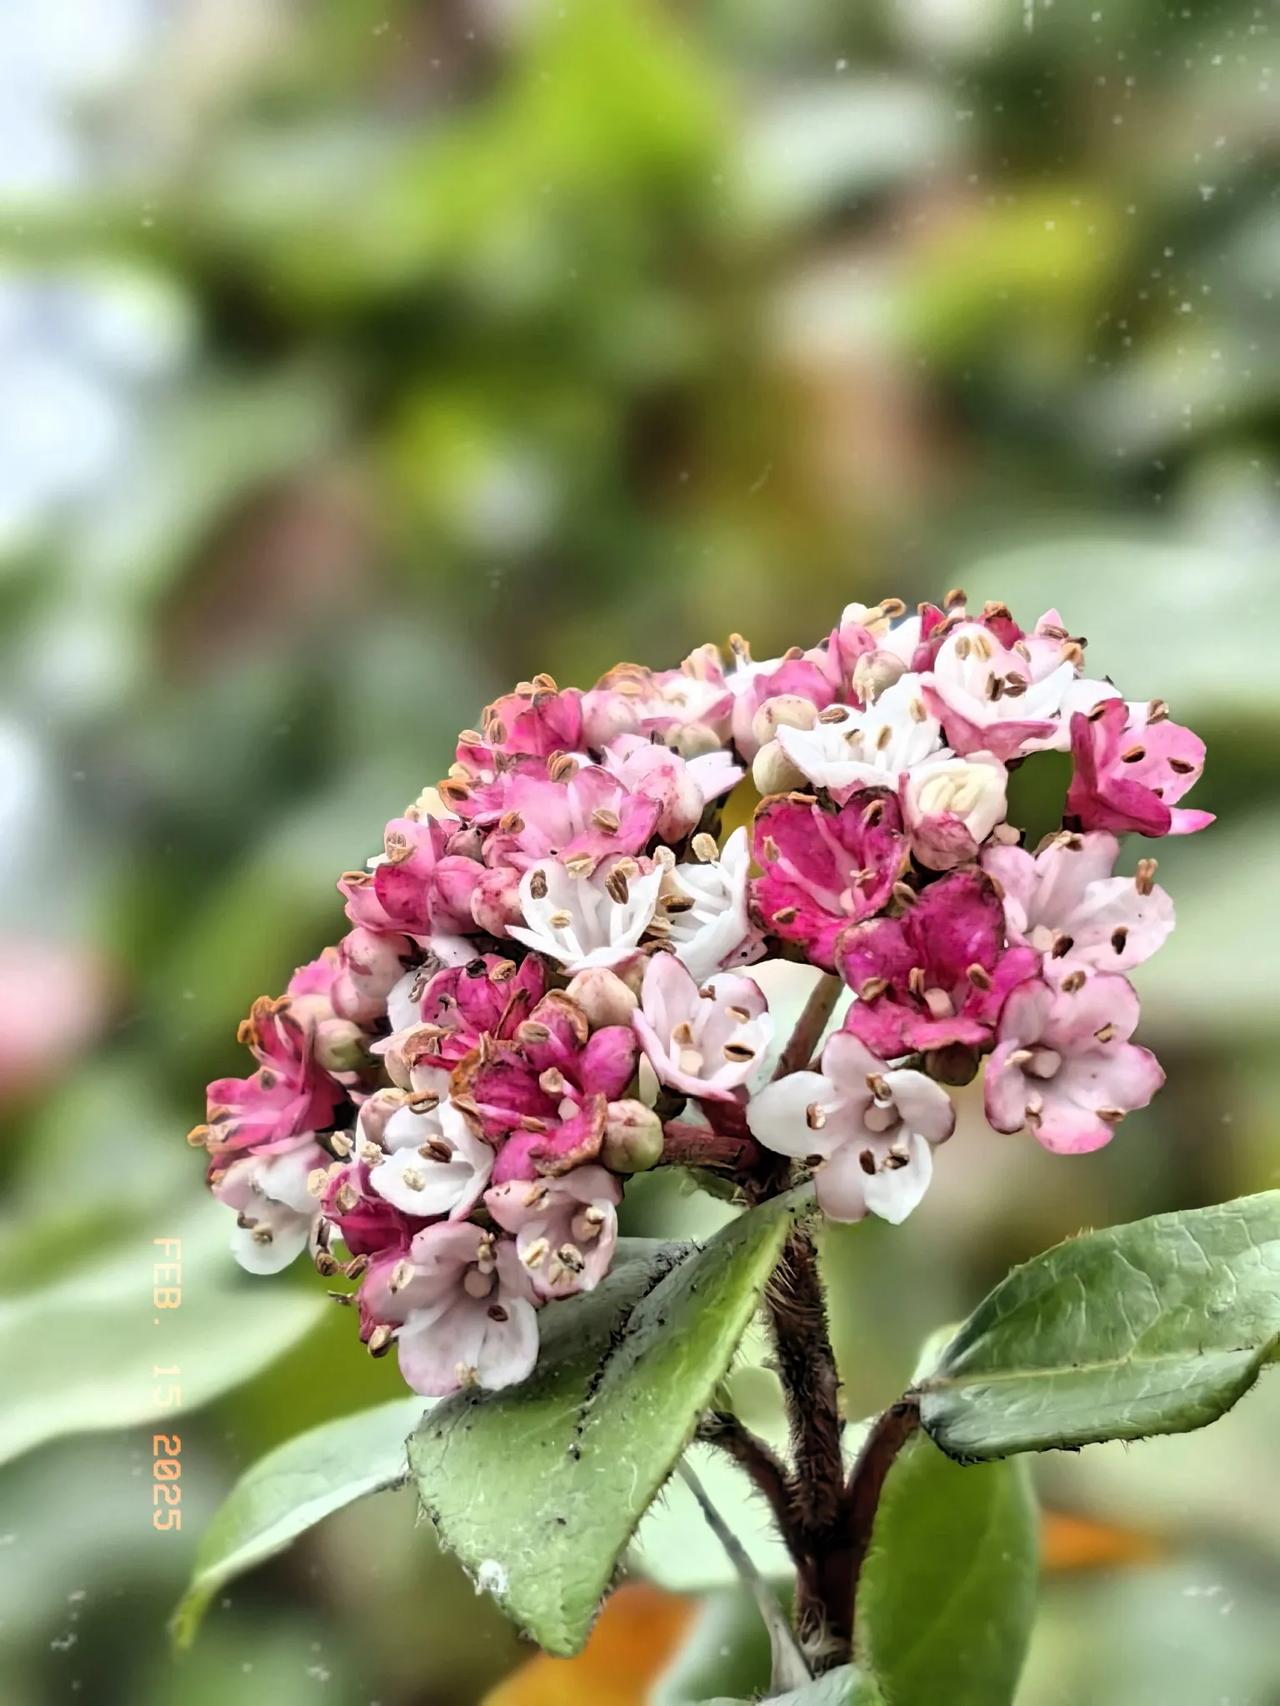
<point>810,1025</point>
<point>687,1145</point>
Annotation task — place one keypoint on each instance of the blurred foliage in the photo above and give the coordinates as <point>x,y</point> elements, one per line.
<point>357,361</point>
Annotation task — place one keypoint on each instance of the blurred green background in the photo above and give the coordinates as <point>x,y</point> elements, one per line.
<point>357,360</point>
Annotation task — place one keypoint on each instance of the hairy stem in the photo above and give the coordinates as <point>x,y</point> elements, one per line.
<point>767,1473</point>
<point>891,1432</point>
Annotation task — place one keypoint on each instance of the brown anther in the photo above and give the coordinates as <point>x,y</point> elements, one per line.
<point>538,885</point>
<point>786,915</point>
<point>815,1117</point>
<point>1145,879</point>
<point>738,1052</point>
<point>872,814</point>
<point>511,823</point>
<point>704,847</point>
<point>892,608</point>
<point>1104,1033</point>
<point>1072,982</point>
<point>1062,944</point>
<point>379,1341</point>
<point>1157,711</point>
<point>617,887</point>
<point>867,1161</point>
<point>904,894</point>
<point>915,980</point>
<point>873,987</point>
<point>561,765</point>
<point>502,971</point>
<point>605,819</point>
<point>957,596</point>
<point>979,976</point>
<point>834,714</point>
<point>1180,766</point>
<point>1134,755</point>
<point>1119,936</point>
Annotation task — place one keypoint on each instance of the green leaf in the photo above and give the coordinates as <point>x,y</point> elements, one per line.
<point>1156,1327</point>
<point>946,1598</point>
<point>538,1489</point>
<point>290,1490</point>
<point>847,1686</point>
<point>81,1353</point>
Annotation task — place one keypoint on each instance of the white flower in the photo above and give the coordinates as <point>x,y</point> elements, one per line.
<point>703,1040</point>
<point>865,749</point>
<point>433,1163</point>
<point>587,920</point>
<point>867,1129</point>
<point>704,910</point>
<point>274,1209</point>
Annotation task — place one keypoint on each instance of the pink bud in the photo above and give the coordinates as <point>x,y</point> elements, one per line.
<point>603,997</point>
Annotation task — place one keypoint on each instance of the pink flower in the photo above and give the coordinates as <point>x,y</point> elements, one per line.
<point>1066,904</point>
<point>704,1040</point>
<point>370,964</point>
<point>1064,1065</point>
<point>585,816</point>
<point>999,698</point>
<point>566,1229</point>
<point>825,869</point>
<point>288,1095</point>
<point>811,676</point>
<point>454,1007</point>
<point>418,886</point>
<point>275,1211</point>
<point>952,805</point>
<point>679,789</point>
<point>1131,769</point>
<point>463,1309</point>
<point>543,1096</point>
<point>864,1127</point>
<point>937,975</point>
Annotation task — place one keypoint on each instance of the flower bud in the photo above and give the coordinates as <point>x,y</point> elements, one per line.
<point>773,772</point>
<point>372,964</point>
<point>632,1137</point>
<point>695,740</point>
<point>874,672</point>
<point>341,1046</point>
<point>784,710</point>
<point>603,997</point>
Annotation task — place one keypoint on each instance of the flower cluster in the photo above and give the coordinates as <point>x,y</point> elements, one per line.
<point>547,984</point>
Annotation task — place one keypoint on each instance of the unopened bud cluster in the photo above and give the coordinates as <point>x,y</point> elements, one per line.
<point>545,968</point>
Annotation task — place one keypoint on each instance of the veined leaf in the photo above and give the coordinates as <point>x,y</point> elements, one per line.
<point>290,1490</point>
<point>538,1489</point>
<point>1155,1327</point>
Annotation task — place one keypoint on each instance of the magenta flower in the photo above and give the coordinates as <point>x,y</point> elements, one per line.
<point>937,975</point>
<point>418,886</point>
<point>1131,769</point>
<point>865,1128</point>
<point>450,1010</point>
<point>288,1095</point>
<point>1064,1067</point>
<point>462,1309</point>
<point>1066,904</point>
<point>824,869</point>
<point>584,817</point>
<point>705,1039</point>
<point>566,1229</point>
<point>543,1096</point>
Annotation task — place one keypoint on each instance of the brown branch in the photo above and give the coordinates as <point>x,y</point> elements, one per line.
<point>806,1366</point>
<point>810,1026</point>
<point>687,1145</point>
<point>761,1464</point>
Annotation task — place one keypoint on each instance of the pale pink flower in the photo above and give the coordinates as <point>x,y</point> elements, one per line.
<point>867,1129</point>
<point>703,1039</point>
<point>566,1229</point>
<point>1065,903</point>
<point>432,1162</point>
<point>1131,767</point>
<point>463,1308</point>
<point>998,698</point>
<point>680,789</point>
<point>1064,1066</point>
